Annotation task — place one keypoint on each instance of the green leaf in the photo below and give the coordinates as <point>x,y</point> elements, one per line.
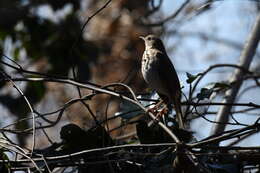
<point>191,77</point>
<point>204,93</point>
<point>221,85</point>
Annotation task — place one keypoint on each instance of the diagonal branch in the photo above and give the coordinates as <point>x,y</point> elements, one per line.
<point>245,60</point>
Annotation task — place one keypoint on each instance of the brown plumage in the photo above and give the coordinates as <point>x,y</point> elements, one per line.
<point>159,73</point>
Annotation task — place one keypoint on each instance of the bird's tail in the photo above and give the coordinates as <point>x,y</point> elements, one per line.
<point>177,104</point>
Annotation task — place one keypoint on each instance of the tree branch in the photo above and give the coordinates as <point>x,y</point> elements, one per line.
<point>245,60</point>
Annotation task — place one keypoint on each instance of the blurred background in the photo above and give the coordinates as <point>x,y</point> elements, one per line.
<point>47,36</point>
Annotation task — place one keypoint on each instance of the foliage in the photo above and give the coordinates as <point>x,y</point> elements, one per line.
<point>85,74</point>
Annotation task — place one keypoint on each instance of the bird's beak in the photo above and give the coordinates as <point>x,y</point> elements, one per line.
<point>141,37</point>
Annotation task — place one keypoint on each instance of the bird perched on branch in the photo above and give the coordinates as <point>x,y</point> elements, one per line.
<point>160,75</point>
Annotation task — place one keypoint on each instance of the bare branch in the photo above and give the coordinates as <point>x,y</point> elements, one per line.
<point>245,60</point>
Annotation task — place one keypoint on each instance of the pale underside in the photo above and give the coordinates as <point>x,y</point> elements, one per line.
<point>160,74</point>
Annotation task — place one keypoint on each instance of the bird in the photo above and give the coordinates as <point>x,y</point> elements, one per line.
<point>160,74</point>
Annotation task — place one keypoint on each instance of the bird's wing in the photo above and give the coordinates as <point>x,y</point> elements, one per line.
<point>168,75</point>
<point>171,82</point>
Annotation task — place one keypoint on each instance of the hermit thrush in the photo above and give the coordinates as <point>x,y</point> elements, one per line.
<point>160,75</point>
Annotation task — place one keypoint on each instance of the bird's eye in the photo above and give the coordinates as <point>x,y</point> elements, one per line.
<point>149,38</point>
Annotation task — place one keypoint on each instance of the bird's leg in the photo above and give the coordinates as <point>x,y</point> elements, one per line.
<point>164,110</point>
<point>154,110</point>
<point>159,115</point>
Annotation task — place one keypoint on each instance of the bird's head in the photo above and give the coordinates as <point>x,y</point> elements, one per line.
<point>152,41</point>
